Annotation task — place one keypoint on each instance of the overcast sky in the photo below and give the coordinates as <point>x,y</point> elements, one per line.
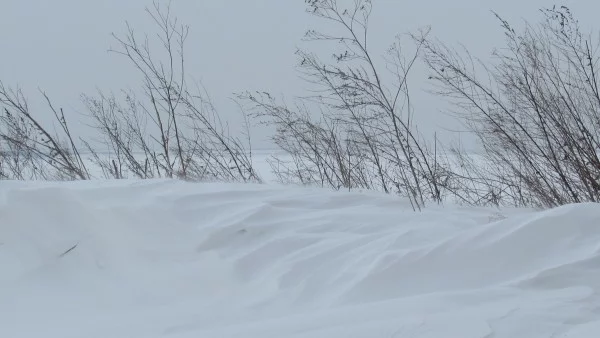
<point>234,45</point>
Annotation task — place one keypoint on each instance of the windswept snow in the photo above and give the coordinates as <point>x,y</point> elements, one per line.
<point>175,259</point>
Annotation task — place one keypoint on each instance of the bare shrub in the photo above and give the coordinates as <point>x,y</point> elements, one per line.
<point>364,136</point>
<point>535,112</point>
<point>30,150</point>
<point>125,142</point>
<point>172,131</point>
<point>321,152</point>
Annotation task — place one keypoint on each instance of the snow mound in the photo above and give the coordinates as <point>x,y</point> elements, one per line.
<point>174,259</point>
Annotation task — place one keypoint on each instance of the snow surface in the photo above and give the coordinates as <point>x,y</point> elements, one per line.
<point>174,259</point>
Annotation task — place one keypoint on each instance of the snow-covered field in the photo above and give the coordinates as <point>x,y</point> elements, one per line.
<point>173,259</point>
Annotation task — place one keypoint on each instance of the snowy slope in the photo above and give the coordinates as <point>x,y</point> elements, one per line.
<point>174,259</point>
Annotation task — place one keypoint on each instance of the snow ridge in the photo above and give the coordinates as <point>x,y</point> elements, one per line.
<point>175,259</point>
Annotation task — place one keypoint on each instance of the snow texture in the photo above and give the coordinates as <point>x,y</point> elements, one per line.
<point>181,260</point>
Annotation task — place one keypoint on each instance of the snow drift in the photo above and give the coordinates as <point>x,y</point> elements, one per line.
<point>174,259</point>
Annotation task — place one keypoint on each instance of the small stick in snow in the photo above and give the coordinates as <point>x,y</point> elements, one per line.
<point>69,250</point>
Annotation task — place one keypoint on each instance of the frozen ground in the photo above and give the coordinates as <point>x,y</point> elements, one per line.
<point>182,260</point>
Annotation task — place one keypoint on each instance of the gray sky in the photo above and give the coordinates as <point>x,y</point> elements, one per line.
<point>234,45</point>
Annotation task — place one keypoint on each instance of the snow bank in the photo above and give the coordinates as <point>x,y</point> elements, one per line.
<point>173,259</point>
